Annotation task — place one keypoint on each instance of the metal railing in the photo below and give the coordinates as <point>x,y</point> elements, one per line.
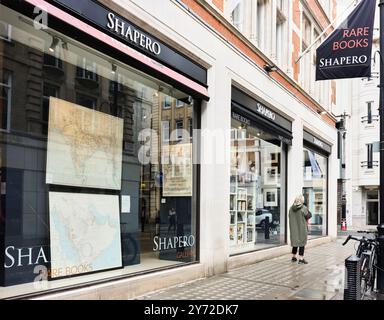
<point>371,119</point>
<point>369,164</point>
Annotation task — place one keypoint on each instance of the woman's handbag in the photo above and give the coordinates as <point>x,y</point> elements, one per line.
<point>308,216</point>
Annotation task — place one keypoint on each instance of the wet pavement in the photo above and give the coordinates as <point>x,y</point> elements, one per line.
<point>275,279</point>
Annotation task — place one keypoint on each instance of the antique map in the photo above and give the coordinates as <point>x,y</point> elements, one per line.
<point>177,170</point>
<point>85,233</point>
<point>84,147</point>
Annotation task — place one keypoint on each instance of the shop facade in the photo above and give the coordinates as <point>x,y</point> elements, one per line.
<point>100,186</point>
<point>259,142</point>
<point>97,173</point>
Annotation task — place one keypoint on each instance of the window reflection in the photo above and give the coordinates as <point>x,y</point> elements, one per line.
<point>315,191</point>
<point>257,220</point>
<point>95,96</point>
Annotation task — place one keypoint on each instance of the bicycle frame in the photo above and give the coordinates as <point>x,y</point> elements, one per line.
<point>366,251</point>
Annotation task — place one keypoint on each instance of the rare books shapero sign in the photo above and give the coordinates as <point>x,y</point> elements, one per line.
<point>347,52</point>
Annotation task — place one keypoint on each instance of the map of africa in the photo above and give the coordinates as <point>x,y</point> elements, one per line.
<point>84,147</point>
<point>85,233</point>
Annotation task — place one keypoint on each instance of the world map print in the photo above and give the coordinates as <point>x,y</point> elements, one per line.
<point>84,147</point>
<point>84,232</point>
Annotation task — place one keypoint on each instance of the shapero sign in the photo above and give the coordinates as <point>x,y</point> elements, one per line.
<point>130,33</point>
<point>347,52</point>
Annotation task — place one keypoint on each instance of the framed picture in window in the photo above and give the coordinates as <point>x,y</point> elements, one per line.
<point>271,175</point>
<point>270,197</point>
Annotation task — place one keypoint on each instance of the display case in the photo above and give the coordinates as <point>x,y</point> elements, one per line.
<point>242,192</point>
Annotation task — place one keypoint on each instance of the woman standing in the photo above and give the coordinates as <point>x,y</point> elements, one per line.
<point>298,217</point>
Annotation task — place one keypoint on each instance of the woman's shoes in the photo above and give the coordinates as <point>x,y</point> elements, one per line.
<point>301,261</point>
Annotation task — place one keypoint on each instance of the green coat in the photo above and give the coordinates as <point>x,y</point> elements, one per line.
<point>298,225</point>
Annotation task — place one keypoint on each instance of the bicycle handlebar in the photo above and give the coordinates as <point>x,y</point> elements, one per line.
<point>347,240</point>
<point>363,239</point>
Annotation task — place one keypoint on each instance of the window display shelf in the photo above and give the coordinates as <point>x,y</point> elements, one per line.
<point>242,216</point>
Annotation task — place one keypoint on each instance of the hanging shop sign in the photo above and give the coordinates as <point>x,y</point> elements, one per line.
<point>347,52</point>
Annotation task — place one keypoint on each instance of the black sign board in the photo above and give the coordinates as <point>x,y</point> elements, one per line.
<point>347,52</point>
<point>127,32</point>
<point>317,143</point>
<point>260,109</point>
<point>252,112</point>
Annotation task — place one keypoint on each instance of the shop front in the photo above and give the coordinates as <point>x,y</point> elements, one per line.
<point>259,141</point>
<point>97,179</point>
<point>315,174</point>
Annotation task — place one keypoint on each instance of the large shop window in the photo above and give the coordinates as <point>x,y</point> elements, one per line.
<point>257,190</point>
<point>96,165</point>
<point>315,170</point>
<point>258,183</point>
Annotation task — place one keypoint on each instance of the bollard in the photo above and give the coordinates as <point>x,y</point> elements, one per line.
<point>352,285</point>
<point>266,228</point>
<point>380,260</point>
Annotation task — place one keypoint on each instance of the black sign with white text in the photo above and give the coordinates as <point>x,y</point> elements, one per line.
<point>347,52</point>
<point>124,30</point>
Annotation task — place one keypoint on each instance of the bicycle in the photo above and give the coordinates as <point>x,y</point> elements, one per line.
<point>367,252</point>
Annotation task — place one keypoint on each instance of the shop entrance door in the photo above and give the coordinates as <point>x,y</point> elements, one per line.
<point>373,213</point>
<point>373,208</point>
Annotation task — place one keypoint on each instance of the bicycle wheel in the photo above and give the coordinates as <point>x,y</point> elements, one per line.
<point>365,275</point>
<point>373,270</point>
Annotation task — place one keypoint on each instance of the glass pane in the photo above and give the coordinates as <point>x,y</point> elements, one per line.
<point>373,195</point>
<point>91,188</point>
<point>257,218</point>
<point>315,191</point>
<point>373,213</point>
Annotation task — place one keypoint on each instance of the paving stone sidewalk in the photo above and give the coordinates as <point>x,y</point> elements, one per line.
<point>275,279</point>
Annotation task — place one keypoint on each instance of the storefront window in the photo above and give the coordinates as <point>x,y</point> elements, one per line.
<point>96,176</point>
<point>5,99</point>
<point>257,220</point>
<point>315,170</point>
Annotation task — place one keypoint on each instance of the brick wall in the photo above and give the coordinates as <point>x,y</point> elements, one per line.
<point>227,32</point>
<point>219,4</point>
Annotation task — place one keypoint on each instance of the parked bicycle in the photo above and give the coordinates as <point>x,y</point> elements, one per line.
<point>367,252</point>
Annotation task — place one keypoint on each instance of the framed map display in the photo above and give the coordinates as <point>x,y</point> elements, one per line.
<point>84,233</point>
<point>84,147</point>
<point>177,170</point>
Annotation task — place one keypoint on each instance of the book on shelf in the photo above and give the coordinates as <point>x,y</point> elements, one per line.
<point>233,217</point>
<point>241,205</point>
<point>250,236</point>
<point>240,232</point>
<point>232,233</point>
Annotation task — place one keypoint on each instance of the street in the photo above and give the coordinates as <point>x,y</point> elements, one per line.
<point>276,279</point>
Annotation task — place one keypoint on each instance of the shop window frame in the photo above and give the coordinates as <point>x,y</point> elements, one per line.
<point>8,29</point>
<point>326,156</point>
<point>8,87</point>
<point>69,31</point>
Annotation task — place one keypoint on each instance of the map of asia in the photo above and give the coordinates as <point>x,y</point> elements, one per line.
<point>84,151</point>
<point>84,147</point>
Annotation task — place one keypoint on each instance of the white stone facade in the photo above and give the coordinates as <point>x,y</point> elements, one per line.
<point>227,67</point>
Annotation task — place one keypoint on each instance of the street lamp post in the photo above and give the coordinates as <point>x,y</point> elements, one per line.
<point>380,263</point>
